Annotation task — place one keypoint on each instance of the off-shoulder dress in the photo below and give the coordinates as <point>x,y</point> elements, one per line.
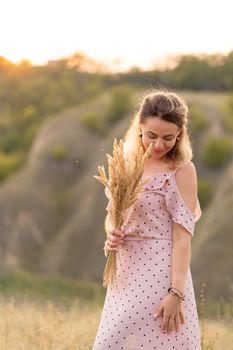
<point>144,274</point>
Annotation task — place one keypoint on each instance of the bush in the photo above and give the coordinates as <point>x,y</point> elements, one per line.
<point>228,114</point>
<point>11,141</point>
<point>198,120</point>
<point>93,122</point>
<point>217,151</point>
<point>205,191</point>
<point>121,103</point>
<point>28,113</point>
<point>59,152</point>
<point>53,287</point>
<point>9,163</point>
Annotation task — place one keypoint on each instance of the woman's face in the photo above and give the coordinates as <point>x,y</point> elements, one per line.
<point>163,134</point>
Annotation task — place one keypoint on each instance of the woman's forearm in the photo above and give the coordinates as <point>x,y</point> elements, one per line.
<point>108,225</point>
<point>181,255</point>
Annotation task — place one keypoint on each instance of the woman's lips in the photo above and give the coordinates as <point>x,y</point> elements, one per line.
<point>157,151</point>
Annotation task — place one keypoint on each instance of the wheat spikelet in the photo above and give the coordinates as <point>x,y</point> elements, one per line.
<point>124,183</point>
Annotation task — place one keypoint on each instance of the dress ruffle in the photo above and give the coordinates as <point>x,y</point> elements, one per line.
<point>177,207</point>
<point>166,185</point>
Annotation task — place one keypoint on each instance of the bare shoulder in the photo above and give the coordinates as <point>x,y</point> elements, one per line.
<point>187,169</point>
<point>186,179</point>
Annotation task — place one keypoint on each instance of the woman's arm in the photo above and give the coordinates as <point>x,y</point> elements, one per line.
<point>186,180</point>
<point>114,236</point>
<point>181,255</point>
<point>171,306</point>
<point>108,225</point>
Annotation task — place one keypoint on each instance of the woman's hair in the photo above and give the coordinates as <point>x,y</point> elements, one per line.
<point>169,107</point>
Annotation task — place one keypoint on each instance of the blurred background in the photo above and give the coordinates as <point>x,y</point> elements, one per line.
<point>72,74</point>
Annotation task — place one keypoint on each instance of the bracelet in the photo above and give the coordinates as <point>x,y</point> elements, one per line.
<point>178,291</point>
<point>179,295</point>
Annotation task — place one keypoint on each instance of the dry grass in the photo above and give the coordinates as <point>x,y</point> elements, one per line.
<point>224,333</point>
<point>210,345</point>
<point>124,184</point>
<point>215,335</point>
<point>31,326</point>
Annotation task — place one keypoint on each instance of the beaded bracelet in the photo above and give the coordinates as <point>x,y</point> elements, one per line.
<point>170,290</point>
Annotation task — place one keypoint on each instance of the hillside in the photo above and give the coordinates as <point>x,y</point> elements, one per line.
<point>52,210</point>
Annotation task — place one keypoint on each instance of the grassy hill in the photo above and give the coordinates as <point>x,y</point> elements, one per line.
<point>52,210</point>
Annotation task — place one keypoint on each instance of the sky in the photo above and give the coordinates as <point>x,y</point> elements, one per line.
<point>124,33</point>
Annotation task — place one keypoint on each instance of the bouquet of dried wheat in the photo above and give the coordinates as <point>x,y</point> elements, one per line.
<point>124,184</point>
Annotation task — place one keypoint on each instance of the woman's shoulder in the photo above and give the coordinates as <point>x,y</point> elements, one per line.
<point>186,169</point>
<point>186,181</point>
<point>181,167</point>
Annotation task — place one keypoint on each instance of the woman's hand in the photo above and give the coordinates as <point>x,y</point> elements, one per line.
<point>114,238</point>
<point>171,311</point>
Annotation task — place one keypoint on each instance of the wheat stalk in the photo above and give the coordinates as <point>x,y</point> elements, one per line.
<point>124,184</point>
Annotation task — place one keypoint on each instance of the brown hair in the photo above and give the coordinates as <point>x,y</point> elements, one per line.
<point>169,107</point>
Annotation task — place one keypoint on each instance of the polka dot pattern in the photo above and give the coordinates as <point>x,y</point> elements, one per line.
<point>144,275</point>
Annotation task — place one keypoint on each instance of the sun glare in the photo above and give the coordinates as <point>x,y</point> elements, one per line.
<point>120,33</point>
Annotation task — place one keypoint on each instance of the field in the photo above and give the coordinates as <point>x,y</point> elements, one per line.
<point>28,325</point>
<point>49,313</point>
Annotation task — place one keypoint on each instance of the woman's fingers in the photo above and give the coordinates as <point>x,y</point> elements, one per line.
<point>113,245</point>
<point>181,315</point>
<point>115,237</point>
<point>170,325</point>
<point>176,323</point>
<point>116,233</point>
<point>164,324</point>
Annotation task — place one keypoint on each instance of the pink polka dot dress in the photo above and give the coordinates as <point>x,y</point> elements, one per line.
<point>144,274</point>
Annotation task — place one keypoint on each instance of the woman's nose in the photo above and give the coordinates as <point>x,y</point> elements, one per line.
<point>158,144</point>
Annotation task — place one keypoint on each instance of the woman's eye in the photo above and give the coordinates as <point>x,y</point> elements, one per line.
<point>153,137</point>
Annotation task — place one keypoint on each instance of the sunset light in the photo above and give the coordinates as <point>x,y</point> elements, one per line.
<point>122,33</point>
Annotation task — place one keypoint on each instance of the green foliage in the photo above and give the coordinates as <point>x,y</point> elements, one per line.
<point>50,287</point>
<point>10,142</point>
<point>14,141</point>
<point>29,135</point>
<point>121,103</point>
<point>228,114</point>
<point>9,163</point>
<point>28,113</point>
<point>217,150</point>
<point>192,71</point>
<point>31,94</point>
<point>205,191</point>
<point>209,72</point>
<point>198,120</point>
<point>59,152</point>
<point>93,122</point>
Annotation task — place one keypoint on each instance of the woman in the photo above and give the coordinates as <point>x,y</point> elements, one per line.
<point>153,305</point>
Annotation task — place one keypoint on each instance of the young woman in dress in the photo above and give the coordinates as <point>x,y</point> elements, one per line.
<point>153,305</point>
